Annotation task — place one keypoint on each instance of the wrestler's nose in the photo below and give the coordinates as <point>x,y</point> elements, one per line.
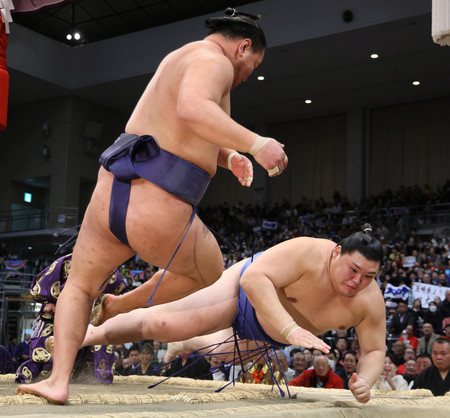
<point>357,278</point>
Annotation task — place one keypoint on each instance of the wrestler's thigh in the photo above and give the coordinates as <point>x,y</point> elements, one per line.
<point>204,312</point>
<point>201,257</point>
<point>156,224</point>
<point>97,252</point>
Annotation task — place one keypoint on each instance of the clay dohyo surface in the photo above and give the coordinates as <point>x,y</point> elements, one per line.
<point>178,397</point>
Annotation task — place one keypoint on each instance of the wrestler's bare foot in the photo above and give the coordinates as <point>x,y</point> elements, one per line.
<point>173,350</point>
<point>54,393</point>
<point>102,312</point>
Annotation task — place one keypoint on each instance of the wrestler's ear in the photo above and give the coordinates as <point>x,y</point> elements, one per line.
<point>337,251</point>
<point>244,46</point>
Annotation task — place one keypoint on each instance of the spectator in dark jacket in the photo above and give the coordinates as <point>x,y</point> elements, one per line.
<point>437,377</point>
<point>434,317</point>
<point>23,349</point>
<point>194,366</point>
<point>401,318</point>
<point>6,363</point>
<point>444,306</point>
<point>350,363</point>
<point>145,367</point>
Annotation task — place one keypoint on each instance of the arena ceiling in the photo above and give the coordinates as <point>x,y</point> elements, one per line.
<point>104,19</point>
<point>335,71</point>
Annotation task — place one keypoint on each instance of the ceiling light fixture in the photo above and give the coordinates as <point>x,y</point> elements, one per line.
<point>416,83</point>
<point>260,77</point>
<point>374,56</point>
<point>308,101</point>
<point>73,34</point>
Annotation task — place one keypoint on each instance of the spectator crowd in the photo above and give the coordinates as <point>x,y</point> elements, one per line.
<point>418,328</point>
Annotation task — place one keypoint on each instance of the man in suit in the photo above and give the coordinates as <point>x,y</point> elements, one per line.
<point>401,318</point>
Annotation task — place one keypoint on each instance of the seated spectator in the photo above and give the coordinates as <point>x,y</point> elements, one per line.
<point>133,360</point>
<point>320,376</point>
<point>256,373</point>
<point>217,368</point>
<point>444,306</point>
<point>130,285</point>
<point>418,310</point>
<point>409,338</point>
<point>389,380</point>
<point>442,280</point>
<point>410,372</point>
<point>12,348</point>
<point>160,352</point>
<point>118,364</point>
<point>292,349</point>
<point>338,359</point>
<point>342,346</point>
<point>120,348</point>
<point>283,360</point>
<point>23,349</point>
<point>350,363</point>
<point>308,357</point>
<point>434,317</point>
<point>427,340</point>
<point>6,364</point>
<point>426,278</point>
<point>437,377</point>
<point>145,367</point>
<point>136,281</point>
<point>315,353</point>
<point>355,346</point>
<point>333,359</point>
<point>409,355</point>
<point>423,361</point>
<point>398,351</point>
<point>401,318</point>
<point>299,363</point>
<point>447,332</point>
<point>194,366</point>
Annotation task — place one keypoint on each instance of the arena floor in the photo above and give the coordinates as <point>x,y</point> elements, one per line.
<point>178,397</point>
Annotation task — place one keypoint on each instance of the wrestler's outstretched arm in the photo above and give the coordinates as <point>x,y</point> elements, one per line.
<point>371,336</point>
<point>204,85</point>
<point>278,267</point>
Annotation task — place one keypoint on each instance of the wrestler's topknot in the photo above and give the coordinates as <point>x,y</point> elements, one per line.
<point>238,24</point>
<point>367,228</point>
<point>365,243</point>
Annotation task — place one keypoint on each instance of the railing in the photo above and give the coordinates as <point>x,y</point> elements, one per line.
<point>14,288</point>
<point>15,283</point>
<point>35,219</point>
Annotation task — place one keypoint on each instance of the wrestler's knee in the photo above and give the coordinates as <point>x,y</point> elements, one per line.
<point>76,287</point>
<point>155,327</point>
<point>161,327</point>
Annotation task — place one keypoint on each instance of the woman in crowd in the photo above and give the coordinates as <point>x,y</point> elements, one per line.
<point>389,380</point>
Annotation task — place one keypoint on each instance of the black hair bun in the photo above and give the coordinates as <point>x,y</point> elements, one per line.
<point>232,16</point>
